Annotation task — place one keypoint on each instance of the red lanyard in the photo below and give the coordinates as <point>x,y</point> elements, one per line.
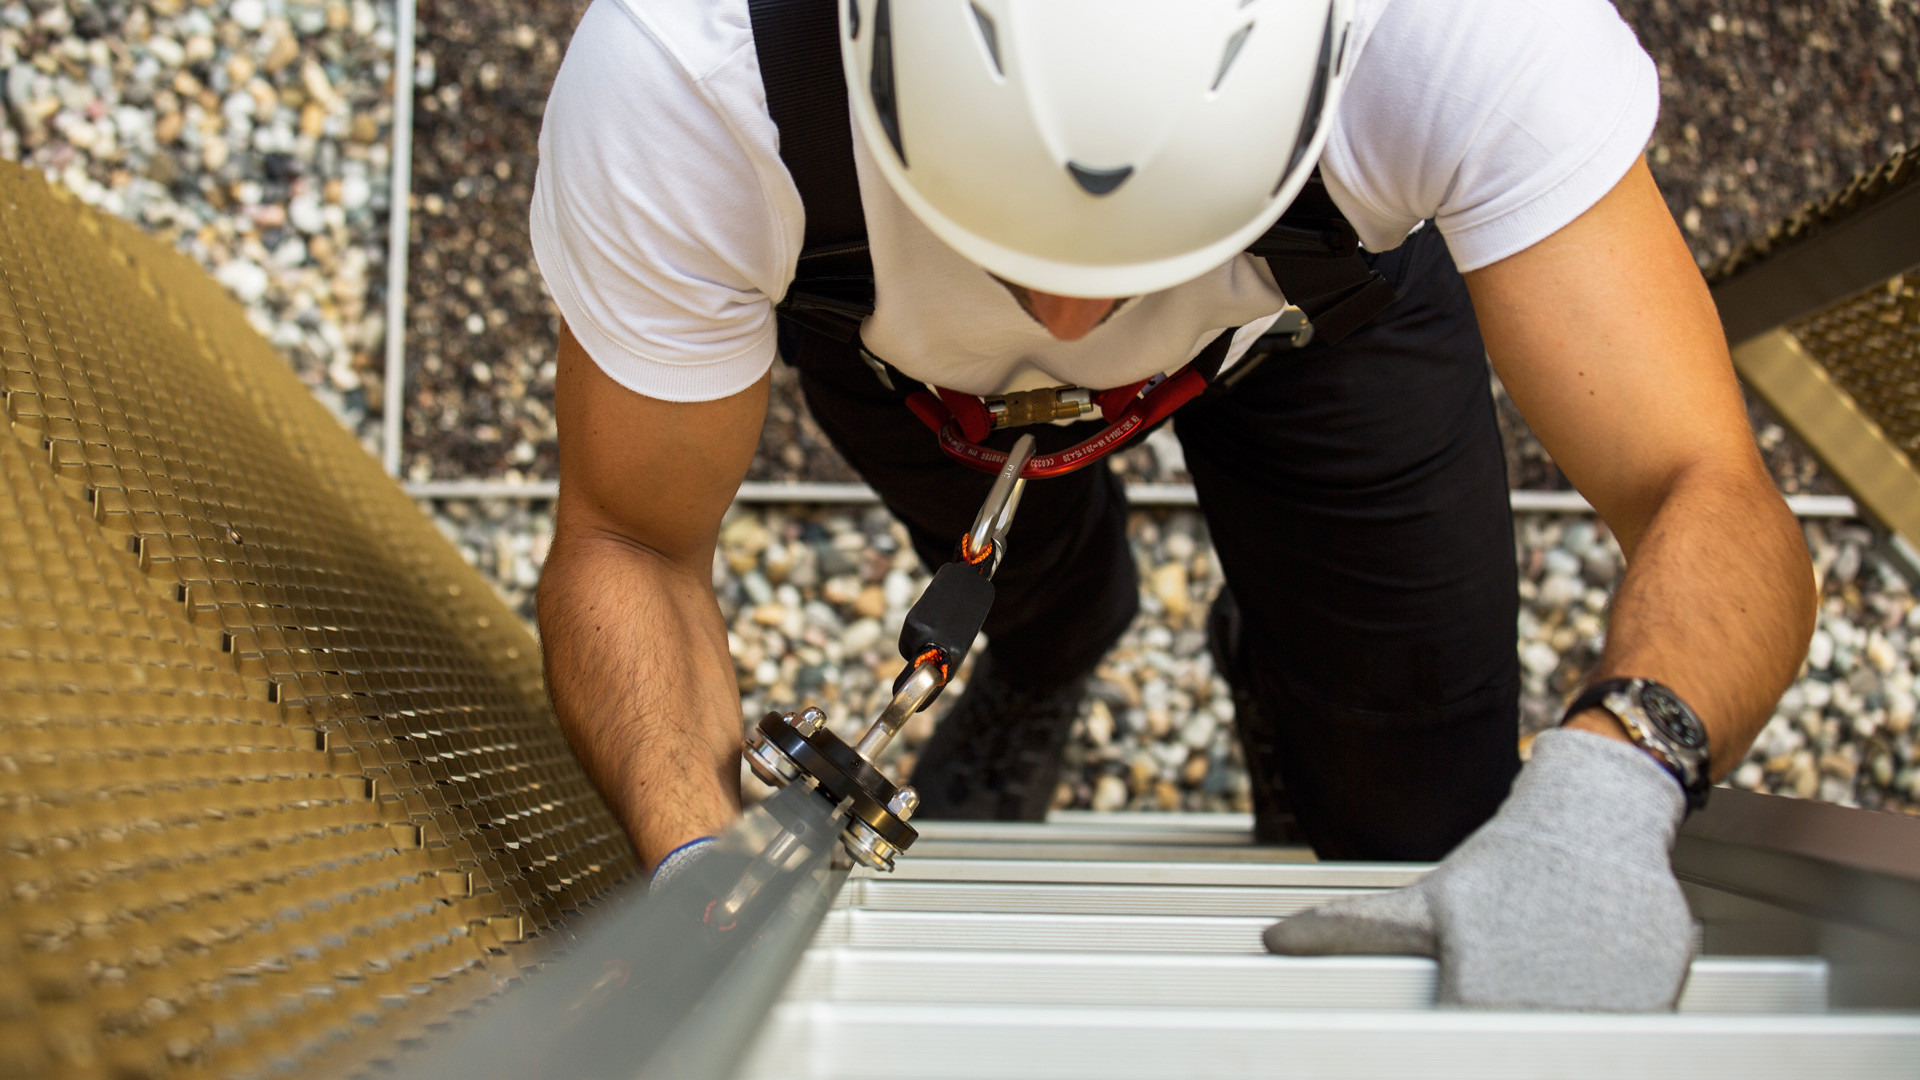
<point>1129,411</point>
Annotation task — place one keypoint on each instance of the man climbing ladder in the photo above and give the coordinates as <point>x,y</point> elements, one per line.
<point>1300,227</point>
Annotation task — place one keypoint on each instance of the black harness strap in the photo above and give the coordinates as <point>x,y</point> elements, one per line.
<point>798,45</point>
<point>1314,254</point>
<point>1313,250</point>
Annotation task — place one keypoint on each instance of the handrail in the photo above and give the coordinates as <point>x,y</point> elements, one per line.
<point>1773,875</point>
<point>671,984</point>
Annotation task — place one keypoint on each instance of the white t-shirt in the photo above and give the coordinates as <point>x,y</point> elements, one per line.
<point>667,227</point>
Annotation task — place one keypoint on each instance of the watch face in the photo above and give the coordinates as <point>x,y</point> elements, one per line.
<point>1673,718</point>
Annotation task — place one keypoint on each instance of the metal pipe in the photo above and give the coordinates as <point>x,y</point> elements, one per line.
<point>399,191</point>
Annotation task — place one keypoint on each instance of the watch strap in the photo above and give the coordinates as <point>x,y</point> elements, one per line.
<point>1619,698</point>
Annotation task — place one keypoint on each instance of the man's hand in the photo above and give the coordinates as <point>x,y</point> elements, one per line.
<point>636,650</point>
<point>1565,900</point>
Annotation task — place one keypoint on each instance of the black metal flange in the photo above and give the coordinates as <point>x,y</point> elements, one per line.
<point>842,775</point>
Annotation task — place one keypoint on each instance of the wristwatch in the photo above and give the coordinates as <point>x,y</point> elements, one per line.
<point>1659,723</point>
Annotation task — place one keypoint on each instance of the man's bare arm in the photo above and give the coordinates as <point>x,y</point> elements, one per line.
<point>1606,337</point>
<point>636,650</point>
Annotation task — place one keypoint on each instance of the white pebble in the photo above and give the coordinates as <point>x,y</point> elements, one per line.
<point>1539,658</point>
<point>354,191</point>
<point>304,213</point>
<point>1559,590</point>
<point>1819,694</point>
<point>861,636</point>
<point>1820,650</point>
<point>249,14</point>
<point>1560,561</point>
<point>1198,731</point>
<point>244,279</point>
<point>898,589</point>
<point>166,50</point>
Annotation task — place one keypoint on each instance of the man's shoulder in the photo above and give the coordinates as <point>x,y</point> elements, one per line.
<point>1414,36</point>
<point>703,38</point>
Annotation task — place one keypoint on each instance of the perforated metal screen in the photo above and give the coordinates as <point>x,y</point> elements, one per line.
<point>1869,346</point>
<point>279,780</point>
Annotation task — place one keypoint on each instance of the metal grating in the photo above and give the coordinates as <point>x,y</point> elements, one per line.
<point>280,782</point>
<point>1869,345</point>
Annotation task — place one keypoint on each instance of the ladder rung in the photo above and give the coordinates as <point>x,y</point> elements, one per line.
<point>1309,875</point>
<point>882,894</point>
<point>949,1042</point>
<point>982,977</point>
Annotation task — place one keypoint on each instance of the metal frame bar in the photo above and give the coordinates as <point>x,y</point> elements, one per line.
<point>1851,444</point>
<point>399,217</point>
<point>1867,247</point>
<point>1768,874</point>
<point>1176,495</point>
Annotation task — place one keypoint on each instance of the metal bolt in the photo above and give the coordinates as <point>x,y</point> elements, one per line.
<point>904,802</point>
<point>808,721</point>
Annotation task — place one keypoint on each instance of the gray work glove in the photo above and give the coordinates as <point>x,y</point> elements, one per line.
<point>1564,900</point>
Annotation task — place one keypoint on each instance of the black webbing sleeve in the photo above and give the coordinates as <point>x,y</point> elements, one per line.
<point>1208,362</point>
<point>1314,253</point>
<point>798,45</point>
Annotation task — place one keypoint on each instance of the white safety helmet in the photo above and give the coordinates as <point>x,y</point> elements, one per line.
<point>1096,147</point>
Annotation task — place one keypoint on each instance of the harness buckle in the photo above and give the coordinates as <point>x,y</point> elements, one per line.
<point>1043,406</point>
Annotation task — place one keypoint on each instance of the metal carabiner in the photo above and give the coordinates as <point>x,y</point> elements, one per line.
<point>990,525</point>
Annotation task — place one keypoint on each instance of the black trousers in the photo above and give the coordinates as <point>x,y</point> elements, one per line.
<point>1357,499</point>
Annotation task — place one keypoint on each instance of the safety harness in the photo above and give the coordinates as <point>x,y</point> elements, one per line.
<point>1312,250</point>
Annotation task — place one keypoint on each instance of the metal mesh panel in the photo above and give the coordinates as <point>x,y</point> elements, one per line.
<point>279,780</point>
<point>1870,347</point>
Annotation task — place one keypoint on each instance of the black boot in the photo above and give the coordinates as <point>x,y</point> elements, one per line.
<point>996,756</point>
<point>1273,820</point>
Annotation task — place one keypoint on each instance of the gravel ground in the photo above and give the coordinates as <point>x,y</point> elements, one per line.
<point>480,329</point>
<point>253,133</point>
<point>814,599</point>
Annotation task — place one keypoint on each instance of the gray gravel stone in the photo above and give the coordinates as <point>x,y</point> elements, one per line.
<point>813,599</point>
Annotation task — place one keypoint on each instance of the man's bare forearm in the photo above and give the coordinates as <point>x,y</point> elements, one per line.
<point>639,672</point>
<point>1717,602</point>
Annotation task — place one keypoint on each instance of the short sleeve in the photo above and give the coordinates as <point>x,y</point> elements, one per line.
<point>662,220</point>
<point>1501,120</point>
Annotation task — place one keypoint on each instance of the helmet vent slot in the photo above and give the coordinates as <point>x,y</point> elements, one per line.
<point>1316,104</point>
<point>1099,181</point>
<point>880,85</point>
<point>1232,53</point>
<point>988,37</point>
<point>853,19</point>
